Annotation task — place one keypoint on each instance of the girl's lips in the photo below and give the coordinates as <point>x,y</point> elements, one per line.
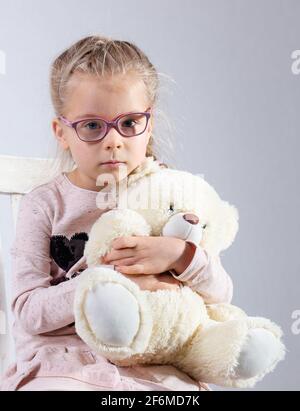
<point>113,162</point>
<point>112,165</point>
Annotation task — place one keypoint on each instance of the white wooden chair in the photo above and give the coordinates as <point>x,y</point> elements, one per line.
<point>18,175</point>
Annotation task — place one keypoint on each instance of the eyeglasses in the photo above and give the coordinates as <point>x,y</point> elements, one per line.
<point>95,129</point>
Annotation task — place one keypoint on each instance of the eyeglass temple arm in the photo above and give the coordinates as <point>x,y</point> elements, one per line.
<point>66,121</point>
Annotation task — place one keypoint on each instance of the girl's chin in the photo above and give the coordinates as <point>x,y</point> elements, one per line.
<point>118,173</point>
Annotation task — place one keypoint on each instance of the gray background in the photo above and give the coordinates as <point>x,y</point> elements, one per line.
<point>234,108</point>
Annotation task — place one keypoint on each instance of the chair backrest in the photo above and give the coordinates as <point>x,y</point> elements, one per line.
<point>18,175</point>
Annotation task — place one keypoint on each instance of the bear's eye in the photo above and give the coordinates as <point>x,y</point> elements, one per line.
<point>171,208</point>
<point>204,226</point>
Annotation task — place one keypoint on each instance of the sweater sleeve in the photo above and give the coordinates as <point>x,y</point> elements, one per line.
<point>206,275</point>
<point>38,306</point>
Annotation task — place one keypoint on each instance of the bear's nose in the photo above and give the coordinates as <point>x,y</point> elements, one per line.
<point>191,218</point>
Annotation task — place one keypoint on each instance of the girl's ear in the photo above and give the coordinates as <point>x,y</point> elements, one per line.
<point>59,134</point>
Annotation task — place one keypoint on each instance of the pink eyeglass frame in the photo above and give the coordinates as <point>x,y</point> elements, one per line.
<point>109,124</point>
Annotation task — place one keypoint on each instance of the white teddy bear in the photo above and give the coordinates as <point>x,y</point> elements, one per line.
<point>215,343</point>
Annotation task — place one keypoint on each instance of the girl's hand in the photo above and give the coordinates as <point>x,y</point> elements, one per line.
<point>145,255</point>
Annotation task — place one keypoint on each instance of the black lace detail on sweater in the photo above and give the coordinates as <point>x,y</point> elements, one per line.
<point>67,252</point>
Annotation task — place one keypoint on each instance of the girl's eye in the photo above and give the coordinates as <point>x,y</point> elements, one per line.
<point>93,125</point>
<point>129,123</point>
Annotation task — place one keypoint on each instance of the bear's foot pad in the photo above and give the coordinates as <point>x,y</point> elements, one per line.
<point>260,352</point>
<point>112,312</point>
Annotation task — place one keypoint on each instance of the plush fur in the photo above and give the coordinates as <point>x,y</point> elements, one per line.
<point>212,343</point>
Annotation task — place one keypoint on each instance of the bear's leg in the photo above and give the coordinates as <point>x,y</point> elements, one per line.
<point>258,354</point>
<point>235,353</point>
<point>111,313</point>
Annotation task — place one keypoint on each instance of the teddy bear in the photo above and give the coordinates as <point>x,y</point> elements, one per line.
<point>212,343</point>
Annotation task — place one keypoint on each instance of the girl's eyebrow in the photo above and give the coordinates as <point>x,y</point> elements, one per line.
<point>87,115</point>
<point>97,115</point>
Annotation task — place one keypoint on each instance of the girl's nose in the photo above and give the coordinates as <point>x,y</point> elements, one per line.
<point>112,139</point>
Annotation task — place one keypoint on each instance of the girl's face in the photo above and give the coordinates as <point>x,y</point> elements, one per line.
<point>89,96</point>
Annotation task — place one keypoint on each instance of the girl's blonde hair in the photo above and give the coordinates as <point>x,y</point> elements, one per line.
<point>103,56</point>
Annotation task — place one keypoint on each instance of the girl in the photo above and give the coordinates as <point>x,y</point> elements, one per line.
<point>96,79</point>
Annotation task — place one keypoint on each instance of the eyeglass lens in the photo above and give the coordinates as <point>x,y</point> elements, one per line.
<point>128,125</point>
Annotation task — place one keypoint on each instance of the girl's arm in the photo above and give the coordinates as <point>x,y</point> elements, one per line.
<point>38,306</point>
<point>206,276</point>
<point>202,273</point>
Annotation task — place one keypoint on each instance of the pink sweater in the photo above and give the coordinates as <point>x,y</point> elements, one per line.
<point>53,223</point>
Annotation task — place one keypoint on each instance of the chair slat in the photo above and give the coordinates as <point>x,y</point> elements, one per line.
<point>15,203</point>
<point>21,174</point>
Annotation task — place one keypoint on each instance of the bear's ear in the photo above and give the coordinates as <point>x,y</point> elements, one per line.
<point>221,218</point>
<point>229,223</point>
<point>221,221</point>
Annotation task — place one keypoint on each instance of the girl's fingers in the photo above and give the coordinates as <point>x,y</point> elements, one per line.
<point>130,269</point>
<point>124,242</point>
<point>123,261</point>
<point>118,255</point>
